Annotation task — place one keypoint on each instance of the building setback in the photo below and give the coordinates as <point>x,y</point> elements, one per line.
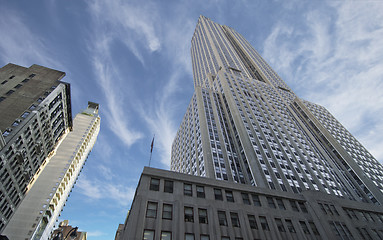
<point>40,209</point>
<point>247,132</point>
<point>35,110</point>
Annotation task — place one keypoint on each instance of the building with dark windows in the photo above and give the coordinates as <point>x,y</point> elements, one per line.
<point>292,170</point>
<point>35,113</point>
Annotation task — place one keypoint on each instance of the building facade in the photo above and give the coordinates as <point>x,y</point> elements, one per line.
<point>251,160</point>
<point>39,211</point>
<point>35,113</point>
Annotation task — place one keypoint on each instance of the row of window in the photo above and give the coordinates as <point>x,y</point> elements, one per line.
<point>218,195</point>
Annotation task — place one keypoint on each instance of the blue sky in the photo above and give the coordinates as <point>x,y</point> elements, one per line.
<point>133,57</point>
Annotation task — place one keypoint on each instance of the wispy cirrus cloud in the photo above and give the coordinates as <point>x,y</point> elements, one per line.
<point>337,60</point>
<point>21,45</point>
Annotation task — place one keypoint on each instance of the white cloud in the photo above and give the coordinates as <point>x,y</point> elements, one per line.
<point>89,189</point>
<point>337,61</point>
<point>93,233</point>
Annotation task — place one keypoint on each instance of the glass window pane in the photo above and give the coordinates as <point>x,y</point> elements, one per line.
<point>166,236</point>
<point>148,235</point>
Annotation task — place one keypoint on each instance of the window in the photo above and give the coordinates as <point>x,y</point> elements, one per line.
<point>154,184</point>
<point>234,219</point>
<point>294,206</point>
<point>264,224</point>
<point>188,189</point>
<point>225,238</point>
<point>222,218</point>
<point>2,98</point>
<point>229,196</point>
<point>218,194</point>
<point>314,228</point>
<point>200,192</point>
<point>204,237</point>
<point>11,77</point>
<point>202,215</point>
<point>290,226</point>
<point>151,211</point>
<point>280,203</point>
<point>270,201</point>
<point>189,236</point>
<point>304,227</point>
<point>32,75</point>
<point>245,198</point>
<point>166,235</point>
<point>252,221</point>
<point>189,214</point>
<point>168,186</point>
<point>18,86</point>
<point>4,82</point>
<point>256,200</point>
<point>9,92</point>
<point>25,80</point>
<point>148,235</point>
<point>167,211</point>
<point>303,207</point>
<point>280,226</point>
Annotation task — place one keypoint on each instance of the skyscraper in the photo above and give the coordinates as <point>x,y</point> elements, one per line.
<point>40,209</point>
<point>244,124</point>
<point>251,160</point>
<point>35,112</point>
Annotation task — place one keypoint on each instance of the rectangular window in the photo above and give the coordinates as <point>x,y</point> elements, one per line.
<point>25,80</point>
<point>166,235</point>
<point>303,207</point>
<point>154,184</point>
<point>188,189</point>
<point>151,211</point>
<point>9,92</point>
<point>252,221</point>
<point>234,219</point>
<point>264,224</point>
<point>168,186</point>
<point>294,206</point>
<point>304,227</point>
<point>202,215</point>
<point>18,86</point>
<point>189,236</point>
<point>4,82</point>
<point>200,192</point>
<point>229,196</point>
<point>314,228</point>
<point>204,237</point>
<point>256,200</point>
<point>148,235</point>
<point>189,217</point>
<point>290,226</point>
<point>218,194</point>
<point>2,98</point>
<point>245,198</point>
<point>280,203</point>
<point>280,226</point>
<point>167,211</point>
<point>270,201</point>
<point>222,218</point>
<point>225,238</point>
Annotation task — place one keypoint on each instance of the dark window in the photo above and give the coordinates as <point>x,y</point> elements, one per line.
<point>189,236</point>
<point>167,211</point>
<point>270,202</point>
<point>188,189</point>
<point>294,206</point>
<point>280,226</point>
<point>151,211</point>
<point>222,218</point>
<point>280,203</point>
<point>4,82</point>
<point>202,215</point>
<point>18,86</point>
<point>314,228</point>
<point>234,219</point>
<point>168,186</point>
<point>154,184</point>
<point>148,235</point>
<point>10,92</point>
<point>304,227</point>
<point>218,194</point>
<point>245,198</point>
<point>2,98</point>
<point>11,77</point>
<point>303,207</point>
<point>189,217</point>
<point>32,75</point>
<point>200,192</point>
<point>25,80</point>
<point>290,226</point>
<point>229,196</point>
<point>252,221</point>
<point>256,200</point>
<point>264,224</point>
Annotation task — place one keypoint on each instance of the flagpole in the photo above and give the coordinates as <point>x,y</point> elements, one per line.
<point>151,150</point>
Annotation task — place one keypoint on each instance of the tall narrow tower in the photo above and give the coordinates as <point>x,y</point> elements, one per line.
<point>245,125</point>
